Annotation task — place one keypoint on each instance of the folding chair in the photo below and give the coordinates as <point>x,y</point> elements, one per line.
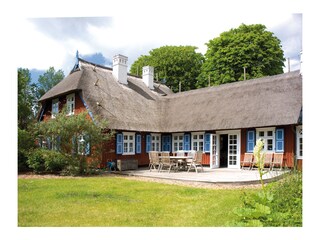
<point>166,161</point>
<point>196,161</point>
<point>154,160</point>
<point>268,160</point>
<point>277,160</point>
<point>247,161</point>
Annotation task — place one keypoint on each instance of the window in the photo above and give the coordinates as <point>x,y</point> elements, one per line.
<point>155,142</point>
<point>299,142</point>
<point>70,104</point>
<point>128,143</point>
<point>267,135</point>
<point>197,141</point>
<point>55,107</point>
<point>177,142</point>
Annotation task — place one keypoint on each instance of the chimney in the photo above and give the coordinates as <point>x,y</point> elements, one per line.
<point>119,70</point>
<point>147,76</point>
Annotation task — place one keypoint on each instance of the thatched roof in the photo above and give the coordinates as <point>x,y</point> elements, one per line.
<point>268,101</point>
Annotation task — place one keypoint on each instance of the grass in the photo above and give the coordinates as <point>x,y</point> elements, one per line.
<point>110,201</point>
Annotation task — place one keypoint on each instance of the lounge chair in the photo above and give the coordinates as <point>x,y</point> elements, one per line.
<point>277,160</point>
<point>268,160</point>
<point>247,161</point>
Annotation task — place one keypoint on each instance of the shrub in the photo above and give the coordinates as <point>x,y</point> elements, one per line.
<point>43,160</point>
<point>25,143</point>
<point>36,160</point>
<point>279,204</point>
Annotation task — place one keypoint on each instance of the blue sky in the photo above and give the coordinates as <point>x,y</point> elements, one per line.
<point>53,41</point>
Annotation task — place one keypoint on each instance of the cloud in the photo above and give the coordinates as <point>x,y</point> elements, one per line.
<point>65,28</point>
<point>54,41</point>
<point>289,32</point>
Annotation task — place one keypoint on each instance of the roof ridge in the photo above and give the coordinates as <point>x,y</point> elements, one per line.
<point>234,84</point>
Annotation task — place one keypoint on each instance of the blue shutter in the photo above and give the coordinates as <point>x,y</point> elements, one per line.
<point>148,143</point>
<point>280,140</point>
<point>138,143</point>
<point>186,141</point>
<point>119,143</point>
<point>207,142</point>
<point>87,145</point>
<point>251,135</point>
<point>166,143</point>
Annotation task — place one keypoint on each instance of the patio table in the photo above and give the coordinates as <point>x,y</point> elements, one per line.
<point>179,159</point>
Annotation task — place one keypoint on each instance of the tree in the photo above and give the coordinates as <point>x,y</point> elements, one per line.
<point>48,80</point>
<point>172,65</point>
<point>249,46</point>
<point>77,138</point>
<point>26,98</point>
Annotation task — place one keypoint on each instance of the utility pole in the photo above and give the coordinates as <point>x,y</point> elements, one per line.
<point>244,73</point>
<point>209,81</point>
<point>288,64</point>
<point>179,86</point>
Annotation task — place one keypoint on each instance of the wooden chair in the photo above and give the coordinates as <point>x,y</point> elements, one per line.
<point>181,163</point>
<point>277,160</point>
<point>196,162</point>
<point>166,161</point>
<point>247,161</point>
<point>154,160</point>
<point>268,160</point>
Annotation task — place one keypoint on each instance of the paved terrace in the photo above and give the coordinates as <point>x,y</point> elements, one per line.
<point>219,175</point>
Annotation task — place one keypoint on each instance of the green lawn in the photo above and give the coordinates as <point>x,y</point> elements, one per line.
<point>110,201</point>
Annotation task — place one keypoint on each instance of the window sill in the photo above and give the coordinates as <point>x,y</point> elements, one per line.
<point>131,153</point>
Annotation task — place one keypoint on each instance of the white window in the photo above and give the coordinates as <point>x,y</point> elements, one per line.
<point>128,143</point>
<point>299,142</point>
<point>268,137</point>
<point>70,104</point>
<point>197,141</point>
<point>155,142</point>
<point>177,142</point>
<point>55,107</point>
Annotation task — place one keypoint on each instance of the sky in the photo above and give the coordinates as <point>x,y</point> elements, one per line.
<point>53,41</point>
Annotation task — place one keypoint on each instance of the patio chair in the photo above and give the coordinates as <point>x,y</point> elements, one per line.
<point>181,163</point>
<point>196,162</point>
<point>247,161</point>
<point>268,160</point>
<point>154,160</point>
<point>166,161</point>
<point>180,153</point>
<point>277,160</point>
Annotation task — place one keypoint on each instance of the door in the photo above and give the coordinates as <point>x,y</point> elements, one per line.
<point>214,151</point>
<point>233,151</point>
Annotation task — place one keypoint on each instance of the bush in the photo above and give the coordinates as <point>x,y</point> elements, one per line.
<point>25,144</point>
<point>36,160</point>
<point>43,160</point>
<point>280,204</point>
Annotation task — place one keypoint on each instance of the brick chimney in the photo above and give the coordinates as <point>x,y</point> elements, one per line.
<point>147,76</point>
<point>119,70</point>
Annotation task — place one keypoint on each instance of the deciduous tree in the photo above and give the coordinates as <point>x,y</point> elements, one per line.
<point>172,65</point>
<point>249,46</point>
